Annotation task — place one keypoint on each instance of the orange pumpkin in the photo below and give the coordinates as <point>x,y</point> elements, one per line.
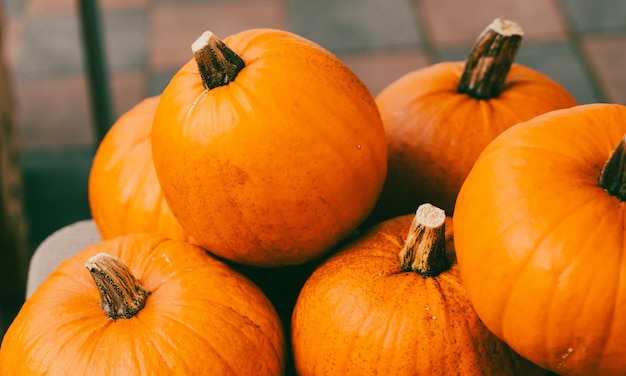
<point>269,150</point>
<point>146,305</point>
<point>439,118</point>
<point>392,304</point>
<point>124,194</point>
<point>539,226</point>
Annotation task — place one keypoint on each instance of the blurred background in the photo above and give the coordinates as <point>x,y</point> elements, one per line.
<point>51,119</point>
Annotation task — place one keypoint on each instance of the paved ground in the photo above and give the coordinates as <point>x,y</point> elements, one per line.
<point>579,43</point>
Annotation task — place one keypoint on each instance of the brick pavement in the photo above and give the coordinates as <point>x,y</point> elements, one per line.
<point>579,43</point>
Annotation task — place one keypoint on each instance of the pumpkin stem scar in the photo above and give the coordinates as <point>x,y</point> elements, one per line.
<point>490,60</point>
<point>218,65</point>
<point>424,250</point>
<point>121,295</point>
<point>613,175</point>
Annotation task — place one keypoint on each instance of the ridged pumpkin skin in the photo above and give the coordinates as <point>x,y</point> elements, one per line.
<point>360,314</point>
<point>436,133</point>
<point>541,245</point>
<point>278,166</point>
<point>200,318</point>
<point>124,193</point>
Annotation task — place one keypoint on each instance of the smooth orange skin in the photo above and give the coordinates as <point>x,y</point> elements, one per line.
<point>278,166</point>
<point>436,133</point>
<point>541,245</point>
<point>201,318</point>
<point>125,196</point>
<point>359,313</point>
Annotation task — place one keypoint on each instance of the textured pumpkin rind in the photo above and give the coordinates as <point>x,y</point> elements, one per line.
<point>125,196</point>
<point>201,318</point>
<point>360,314</point>
<point>436,133</point>
<point>278,166</point>
<point>541,245</point>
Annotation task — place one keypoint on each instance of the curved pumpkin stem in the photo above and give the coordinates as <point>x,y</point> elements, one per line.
<point>491,58</point>
<point>613,175</point>
<point>424,250</point>
<point>218,64</point>
<point>121,295</point>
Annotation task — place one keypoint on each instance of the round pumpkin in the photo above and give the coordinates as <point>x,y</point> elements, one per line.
<point>268,148</point>
<point>124,194</point>
<point>439,118</point>
<point>143,304</point>
<point>391,302</point>
<point>539,227</point>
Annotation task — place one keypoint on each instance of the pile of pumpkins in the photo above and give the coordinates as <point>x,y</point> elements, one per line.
<point>267,215</point>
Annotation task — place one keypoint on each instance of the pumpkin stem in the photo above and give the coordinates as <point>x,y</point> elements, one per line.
<point>218,64</point>
<point>424,250</point>
<point>121,295</point>
<point>613,175</point>
<point>491,58</point>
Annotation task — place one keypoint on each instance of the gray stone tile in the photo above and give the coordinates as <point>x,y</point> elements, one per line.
<point>159,80</point>
<point>170,44</point>
<point>561,62</point>
<point>596,15</point>
<point>13,7</point>
<point>197,1</point>
<point>455,54</point>
<point>51,46</point>
<point>454,23</point>
<point>341,25</point>
<point>127,89</point>
<point>607,59</point>
<point>378,70</point>
<point>557,60</point>
<point>125,37</point>
<point>54,112</point>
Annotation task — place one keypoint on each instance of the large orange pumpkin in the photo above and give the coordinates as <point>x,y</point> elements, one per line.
<point>124,194</point>
<point>269,150</point>
<point>539,227</point>
<point>392,304</point>
<point>439,118</point>
<point>146,305</point>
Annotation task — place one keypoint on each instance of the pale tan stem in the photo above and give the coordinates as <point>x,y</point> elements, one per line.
<point>424,250</point>
<point>121,295</point>
<point>490,60</point>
